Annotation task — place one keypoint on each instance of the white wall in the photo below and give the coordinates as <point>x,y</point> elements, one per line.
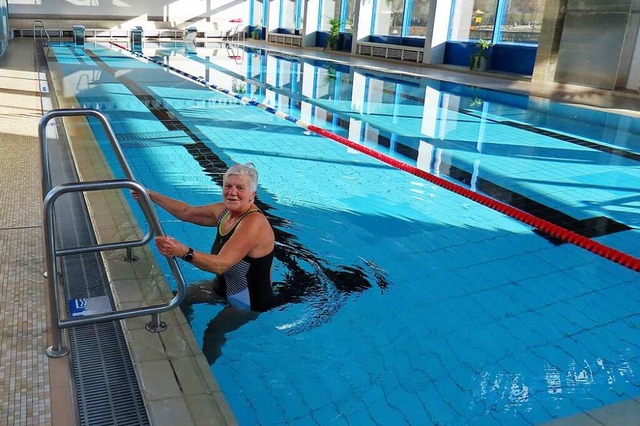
<point>97,8</point>
<point>633,82</point>
<point>174,12</point>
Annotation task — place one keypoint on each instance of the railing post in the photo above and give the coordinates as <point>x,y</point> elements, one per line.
<point>129,257</point>
<point>156,325</point>
<point>56,350</point>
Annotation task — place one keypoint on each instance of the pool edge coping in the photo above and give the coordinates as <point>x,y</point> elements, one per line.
<point>175,379</point>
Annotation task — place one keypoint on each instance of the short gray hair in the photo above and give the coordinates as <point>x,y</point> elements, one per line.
<point>246,169</point>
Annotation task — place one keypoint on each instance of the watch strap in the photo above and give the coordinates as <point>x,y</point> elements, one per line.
<point>188,256</point>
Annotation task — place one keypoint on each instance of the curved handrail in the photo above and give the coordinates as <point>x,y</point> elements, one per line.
<point>52,270</point>
<point>41,27</point>
<point>51,253</point>
<point>76,112</point>
<point>238,57</point>
<point>115,145</point>
<point>238,31</point>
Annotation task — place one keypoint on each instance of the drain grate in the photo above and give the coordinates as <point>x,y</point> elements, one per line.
<point>106,385</point>
<point>107,389</point>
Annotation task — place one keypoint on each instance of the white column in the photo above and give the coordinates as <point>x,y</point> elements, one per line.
<point>357,102</point>
<point>633,82</point>
<point>361,22</point>
<point>310,23</point>
<point>429,124</point>
<point>461,20</point>
<point>308,80</point>
<point>274,13</point>
<point>437,31</point>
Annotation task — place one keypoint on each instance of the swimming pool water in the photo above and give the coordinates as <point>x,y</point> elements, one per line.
<point>400,302</point>
<point>578,163</point>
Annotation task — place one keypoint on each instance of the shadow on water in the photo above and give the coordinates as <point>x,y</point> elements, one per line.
<point>307,277</point>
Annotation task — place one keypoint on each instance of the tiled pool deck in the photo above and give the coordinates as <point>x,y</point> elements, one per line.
<point>174,377</point>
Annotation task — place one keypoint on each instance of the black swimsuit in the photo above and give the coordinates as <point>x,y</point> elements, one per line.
<point>247,284</point>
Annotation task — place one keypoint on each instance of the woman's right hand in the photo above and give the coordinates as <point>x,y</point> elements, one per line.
<point>171,247</point>
<point>136,196</point>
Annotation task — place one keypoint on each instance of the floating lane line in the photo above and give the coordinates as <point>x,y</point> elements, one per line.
<point>547,227</point>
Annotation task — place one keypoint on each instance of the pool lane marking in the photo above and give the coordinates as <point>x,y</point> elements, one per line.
<point>545,226</point>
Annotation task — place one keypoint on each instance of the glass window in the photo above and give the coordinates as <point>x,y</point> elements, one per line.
<point>512,21</point>
<point>389,15</point>
<point>418,18</point>
<point>483,19</point>
<point>522,21</point>
<point>347,17</point>
<point>473,20</point>
<point>298,13</point>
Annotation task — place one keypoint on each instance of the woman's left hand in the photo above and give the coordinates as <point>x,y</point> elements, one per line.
<point>169,246</point>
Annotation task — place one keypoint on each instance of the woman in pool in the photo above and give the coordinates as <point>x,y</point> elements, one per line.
<point>242,253</point>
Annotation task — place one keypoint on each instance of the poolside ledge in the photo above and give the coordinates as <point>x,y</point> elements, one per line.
<point>174,377</point>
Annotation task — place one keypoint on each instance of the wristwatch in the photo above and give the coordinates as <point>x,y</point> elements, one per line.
<point>188,256</point>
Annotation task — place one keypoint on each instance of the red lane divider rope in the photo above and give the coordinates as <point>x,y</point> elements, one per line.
<point>552,229</point>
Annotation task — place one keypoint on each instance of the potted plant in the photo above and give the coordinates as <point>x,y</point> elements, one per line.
<point>331,73</point>
<point>476,102</point>
<point>239,88</point>
<point>481,55</point>
<point>256,34</point>
<point>334,34</point>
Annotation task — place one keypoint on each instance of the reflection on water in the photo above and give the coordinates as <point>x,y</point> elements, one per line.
<point>501,391</point>
<point>324,296</point>
<point>506,392</point>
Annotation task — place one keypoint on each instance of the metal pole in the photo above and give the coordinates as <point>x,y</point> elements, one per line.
<point>55,350</point>
<point>156,325</point>
<point>129,257</point>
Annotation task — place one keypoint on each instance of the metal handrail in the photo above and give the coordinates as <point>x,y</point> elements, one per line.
<point>76,112</point>
<point>115,145</point>
<point>51,252</point>
<point>41,27</point>
<point>238,56</point>
<point>238,31</point>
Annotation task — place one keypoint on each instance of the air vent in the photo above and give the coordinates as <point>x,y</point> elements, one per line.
<point>391,51</point>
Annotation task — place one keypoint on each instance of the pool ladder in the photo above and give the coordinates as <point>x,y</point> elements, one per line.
<point>39,25</point>
<point>52,252</point>
<point>235,52</point>
<point>235,34</point>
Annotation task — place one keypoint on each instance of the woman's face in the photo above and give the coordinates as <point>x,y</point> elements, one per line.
<point>237,194</point>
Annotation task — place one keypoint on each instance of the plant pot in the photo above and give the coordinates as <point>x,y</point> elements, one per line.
<point>332,43</point>
<point>478,63</point>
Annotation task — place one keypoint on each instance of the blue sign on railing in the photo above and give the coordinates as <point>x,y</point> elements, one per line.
<point>89,306</point>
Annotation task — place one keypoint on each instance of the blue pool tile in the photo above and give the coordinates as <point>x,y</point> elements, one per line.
<point>330,415</point>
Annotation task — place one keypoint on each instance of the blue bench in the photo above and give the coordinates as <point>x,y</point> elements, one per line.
<point>288,36</point>
<point>393,47</point>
